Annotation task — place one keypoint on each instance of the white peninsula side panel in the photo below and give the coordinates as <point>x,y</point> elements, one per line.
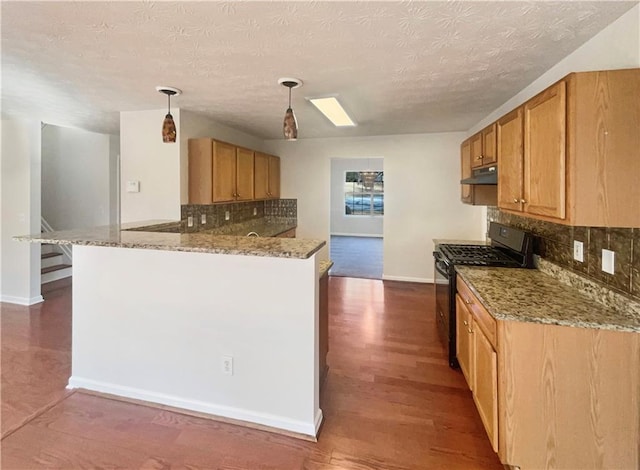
<point>154,325</point>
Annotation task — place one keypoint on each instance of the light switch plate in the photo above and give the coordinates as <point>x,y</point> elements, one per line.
<point>609,261</point>
<point>133,186</point>
<point>578,251</point>
<point>227,215</point>
<point>203,219</point>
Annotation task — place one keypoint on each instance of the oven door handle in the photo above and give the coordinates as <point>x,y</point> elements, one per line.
<point>441,264</point>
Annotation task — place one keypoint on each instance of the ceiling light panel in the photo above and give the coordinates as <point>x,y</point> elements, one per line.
<point>333,110</point>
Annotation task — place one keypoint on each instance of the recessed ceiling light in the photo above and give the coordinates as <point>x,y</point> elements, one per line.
<point>333,110</point>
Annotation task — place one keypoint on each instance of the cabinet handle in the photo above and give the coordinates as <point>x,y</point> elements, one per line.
<point>516,200</point>
<point>479,157</point>
<point>465,323</point>
<point>523,201</point>
<point>441,314</point>
<point>467,301</point>
<point>469,330</point>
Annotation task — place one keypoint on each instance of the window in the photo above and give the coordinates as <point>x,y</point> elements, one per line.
<point>364,193</point>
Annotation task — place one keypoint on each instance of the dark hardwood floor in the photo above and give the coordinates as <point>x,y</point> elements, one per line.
<point>390,400</point>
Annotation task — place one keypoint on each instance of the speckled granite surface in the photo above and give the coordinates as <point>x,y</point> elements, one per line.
<point>199,242</point>
<point>437,241</point>
<point>530,295</point>
<point>325,266</point>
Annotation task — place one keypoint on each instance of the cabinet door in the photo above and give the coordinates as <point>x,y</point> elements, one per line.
<point>465,170</point>
<point>544,153</point>
<point>510,145</point>
<point>200,171</point>
<point>244,174</point>
<point>224,172</point>
<point>476,150</point>
<point>274,177</point>
<point>489,145</point>
<point>261,169</point>
<point>464,340</point>
<point>485,384</point>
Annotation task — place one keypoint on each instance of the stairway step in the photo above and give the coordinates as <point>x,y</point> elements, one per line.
<point>56,267</point>
<point>51,259</point>
<point>53,273</point>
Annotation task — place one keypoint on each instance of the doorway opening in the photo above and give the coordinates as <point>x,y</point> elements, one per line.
<point>357,217</point>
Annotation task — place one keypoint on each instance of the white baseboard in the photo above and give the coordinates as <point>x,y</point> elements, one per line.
<point>239,414</point>
<point>368,235</point>
<point>319,418</point>
<point>10,299</point>
<point>423,280</point>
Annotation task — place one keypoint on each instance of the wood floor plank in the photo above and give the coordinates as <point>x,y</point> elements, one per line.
<point>390,401</point>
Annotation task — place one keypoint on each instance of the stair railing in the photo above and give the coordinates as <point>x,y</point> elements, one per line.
<point>45,227</point>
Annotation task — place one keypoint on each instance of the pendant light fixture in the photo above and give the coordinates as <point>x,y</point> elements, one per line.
<point>290,127</point>
<point>169,132</point>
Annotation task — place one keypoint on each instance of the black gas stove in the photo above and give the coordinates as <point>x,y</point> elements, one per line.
<point>510,248</point>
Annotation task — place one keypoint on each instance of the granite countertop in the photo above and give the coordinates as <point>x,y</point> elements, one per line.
<point>199,242</point>
<point>529,295</point>
<point>438,241</point>
<point>324,267</point>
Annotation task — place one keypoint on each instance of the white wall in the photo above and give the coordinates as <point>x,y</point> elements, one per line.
<point>342,224</point>
<point>177,314</point>
<point>422,194</point>
<point>76,177</point>
<point>20,166</point>
<point>114,179</point>
<point>144,157</point>
<point>615,47</point>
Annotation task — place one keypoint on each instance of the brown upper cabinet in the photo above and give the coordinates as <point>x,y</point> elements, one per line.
<point>474,194</point>
<point>267,176</point>
<point>483,147</point>
<point>570,154</point>
<point>219,172</point>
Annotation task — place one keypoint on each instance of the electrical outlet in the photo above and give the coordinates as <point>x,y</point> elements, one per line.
<point>609,261</point>
<point>255,211</point>
<point>227,215</point>
<point>190,221</point>
<point>227,365</point>
<point>578,251</point>
<point>203,219</point>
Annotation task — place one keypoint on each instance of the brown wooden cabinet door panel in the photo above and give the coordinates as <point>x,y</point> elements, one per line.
<point>465,170</point>
<point>224,172</point>
<point>544,153</point>
<point>464,340</point>
<point>261,169</point>
<point>489,154</point>
<point>485,385</point>
<point>510,156</point>
<point>200,171</point>
<point>476,150</point>
<point>274,177</point>
<point>244,174</point>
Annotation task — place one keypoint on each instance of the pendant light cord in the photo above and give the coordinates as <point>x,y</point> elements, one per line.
<point>169,105</point>
<point>289,97</point>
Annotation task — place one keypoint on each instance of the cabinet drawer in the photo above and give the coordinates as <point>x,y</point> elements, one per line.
<point>482,318</point>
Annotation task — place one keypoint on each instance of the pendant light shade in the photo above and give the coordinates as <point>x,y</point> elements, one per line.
<point>290,126</point>
<point>169,131</point>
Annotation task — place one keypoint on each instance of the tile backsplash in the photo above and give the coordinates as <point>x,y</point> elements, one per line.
<point>554,242</point>
<point>273,210</point>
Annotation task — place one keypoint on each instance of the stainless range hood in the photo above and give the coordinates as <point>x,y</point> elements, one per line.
<point>488,175</point>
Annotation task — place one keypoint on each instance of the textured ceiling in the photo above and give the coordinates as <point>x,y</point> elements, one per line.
<point>398,67</point>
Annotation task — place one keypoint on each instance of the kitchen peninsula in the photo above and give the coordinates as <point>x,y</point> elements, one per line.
<point>218,324</point>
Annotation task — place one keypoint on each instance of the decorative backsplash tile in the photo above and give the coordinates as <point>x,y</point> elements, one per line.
<point>274,210</point>
<point>554,243</point>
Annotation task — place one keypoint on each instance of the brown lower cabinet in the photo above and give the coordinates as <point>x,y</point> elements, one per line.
<point>323,326</point>
<point>552,396</point>
<point>288,234</point>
